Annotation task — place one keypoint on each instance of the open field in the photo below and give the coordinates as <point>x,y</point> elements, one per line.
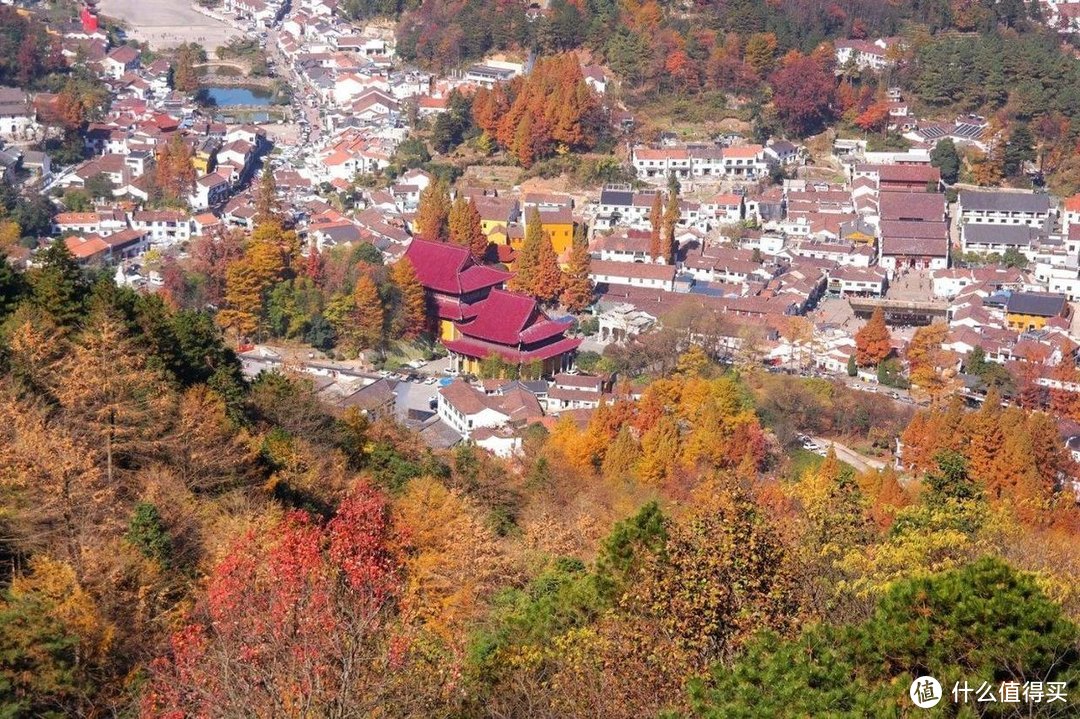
<point>168,23</point>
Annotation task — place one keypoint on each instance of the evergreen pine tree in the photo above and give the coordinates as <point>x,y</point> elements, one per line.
<point>147,533</point>
<point>946,159</point>
<point>58,285</point>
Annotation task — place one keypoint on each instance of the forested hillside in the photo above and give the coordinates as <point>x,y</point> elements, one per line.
<point>772,65</point>
<point>179,542</point>
<point>640,38</point>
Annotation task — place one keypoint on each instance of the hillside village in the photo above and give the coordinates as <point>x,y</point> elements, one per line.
<point>490,359</point>
<point>792,260</point>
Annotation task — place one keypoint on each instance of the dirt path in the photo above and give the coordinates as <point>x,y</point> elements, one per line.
<point>846,454</point>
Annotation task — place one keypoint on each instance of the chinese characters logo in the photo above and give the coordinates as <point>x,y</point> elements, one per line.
<point>925,692</point>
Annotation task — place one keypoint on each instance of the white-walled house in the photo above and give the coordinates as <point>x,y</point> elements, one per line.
<point>865,54</point>
<point>987,238</point>
<point>633,274</point>
<point>740,161</point>
<point>501,444</point>
<point>162,226</point>
<point>862,281</point>
<point>575,391</point>
<point>466,408</point>
<point>1070,214</point>
<point>209,190</point>
<point>1004,207</point>
<point>120,60</point>
<point>17,117</point>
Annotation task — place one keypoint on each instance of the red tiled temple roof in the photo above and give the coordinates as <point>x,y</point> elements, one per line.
<point>543,330</point>
<point>451,308</point>
<point>512,326</point>
<point>502,317</point>
<point>479,276</point>
<point>480,349</point>
<point>447,268</point>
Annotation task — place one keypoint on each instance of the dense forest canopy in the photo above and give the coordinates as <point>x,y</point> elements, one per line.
<point>179,541</point>
<point>637,37</point>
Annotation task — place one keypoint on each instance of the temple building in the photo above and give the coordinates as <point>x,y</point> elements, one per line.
<point>513,327</point>
<point>455,283</point>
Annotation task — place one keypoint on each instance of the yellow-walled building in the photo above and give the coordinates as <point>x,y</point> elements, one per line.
<point>496,212</point>
<point>504,223</point>
<point>556,217</point>
<point>559,226</point>
<point>205,156</point>
<point>1032,310</point>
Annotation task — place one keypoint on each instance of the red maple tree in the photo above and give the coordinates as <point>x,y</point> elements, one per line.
<point>294,617</point>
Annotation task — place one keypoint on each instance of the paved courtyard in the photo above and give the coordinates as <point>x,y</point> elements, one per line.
<point>913,285</point>
<point>836,312</point>
<point>414,395</point>
<point>169,23</point>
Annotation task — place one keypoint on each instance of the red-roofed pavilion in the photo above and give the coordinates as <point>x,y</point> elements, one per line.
<point>513,327</point>
<point>453,280</point>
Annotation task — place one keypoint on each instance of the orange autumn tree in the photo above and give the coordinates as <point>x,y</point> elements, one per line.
<point>248,278</point>
<point>925,365</point>
<point>452,563</point>
<point>873,343</point>
<point>433,213</point>
<point>175,174</point>
<point>929,433</point>
<point>874,118</point>
<point>656,225</point>
<point>549,278</point>
<point>369,312</point>
<point>577,289</point>
<point>1063,402</point>
<point>760,52</point>
<point>1011,454</point>
<point>412,313</point>
<point>537,267</point>
<point>466,229</point>
<point>550,110</point>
